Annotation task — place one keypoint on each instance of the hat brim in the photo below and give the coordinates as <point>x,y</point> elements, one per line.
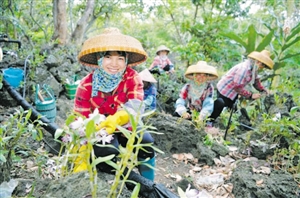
<point>147,76</point>
<point>201,68</point>
<point>262,58</point>
<point>112,42</point>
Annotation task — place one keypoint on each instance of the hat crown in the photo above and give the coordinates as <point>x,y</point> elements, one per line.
<point>162,48</point>
<point>111,39</point>
<point>147,76</point>
<point>266,53</point>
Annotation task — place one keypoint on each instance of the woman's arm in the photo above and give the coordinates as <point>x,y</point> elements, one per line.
<point>82,103</point>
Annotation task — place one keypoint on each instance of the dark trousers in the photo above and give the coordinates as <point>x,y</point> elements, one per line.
<point>219,104</point>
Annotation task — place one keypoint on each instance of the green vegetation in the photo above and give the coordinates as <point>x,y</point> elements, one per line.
<point>17,127</point>
<point>81,134</point>
<point>219,32</point>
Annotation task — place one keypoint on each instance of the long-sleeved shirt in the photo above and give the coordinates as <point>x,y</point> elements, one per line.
<point>233,83</point>
<point>160,63</point>
<point>204,104</point>
<point>150,98</point>
<point>128,92</point>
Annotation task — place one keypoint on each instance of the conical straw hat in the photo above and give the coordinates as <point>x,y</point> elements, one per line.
<point>201,67</point>
<point>112,40</point>
<point>147,76</point>
<point>162,48</point>
<point>263,56</point>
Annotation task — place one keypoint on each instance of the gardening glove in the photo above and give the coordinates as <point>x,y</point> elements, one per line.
<point>111,122</point>
<point>80,162</point>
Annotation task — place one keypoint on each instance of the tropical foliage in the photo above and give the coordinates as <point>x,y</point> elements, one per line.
<point>220,32</point>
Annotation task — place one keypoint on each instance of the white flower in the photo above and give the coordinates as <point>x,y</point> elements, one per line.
<point>102,136</point>
<point>67,138</point>
<point>81,132</point>
<point>191,193</point>
<point>77,124</point>
<point>96,117</point>
<point>83,141</point>
<point>277,117</point>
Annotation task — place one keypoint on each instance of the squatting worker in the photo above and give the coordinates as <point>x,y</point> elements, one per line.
<point>112,84</point>
<point>197,94</point>
<point>233,83</point>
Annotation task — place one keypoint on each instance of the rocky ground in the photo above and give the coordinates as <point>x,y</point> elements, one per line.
<point>196,161</point>
<point>187,165</point>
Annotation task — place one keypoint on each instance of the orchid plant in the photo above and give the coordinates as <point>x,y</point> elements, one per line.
<point>80,132</point>
<point>78,129</point>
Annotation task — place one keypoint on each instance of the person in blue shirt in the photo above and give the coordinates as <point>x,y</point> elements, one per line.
<point>150,90</point>
<point>197,94</point>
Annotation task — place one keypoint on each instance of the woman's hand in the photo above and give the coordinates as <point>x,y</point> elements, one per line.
<point>186,115</point>
<point>255,96</point>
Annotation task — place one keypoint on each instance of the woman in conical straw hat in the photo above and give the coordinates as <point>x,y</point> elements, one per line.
<point>233,83</point>
<point>110,87</point>
<point>198,93</point>
<point>161,62</point>
<point>150,90</point>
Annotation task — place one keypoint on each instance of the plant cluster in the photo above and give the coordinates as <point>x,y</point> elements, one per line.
<point>17,127</point>
<point>80,131</point>
<point>283,132</point>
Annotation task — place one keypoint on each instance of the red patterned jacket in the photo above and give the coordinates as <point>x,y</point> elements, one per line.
<point>131,87</point>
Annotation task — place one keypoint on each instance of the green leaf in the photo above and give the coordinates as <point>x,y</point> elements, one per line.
<point>23,152</point>
<point>294,31</point>
<point>235,38</point>
<point>125,132</point>
<point>278,65</point>
<point>6,139</point>
<point>58,133</point>
<point>252,34</point>
<point>291,43</point>
<point>102,159</point>
<point>294,109</point>
<point>90,128</point>
<point>28,114</point>
<point>136,190</point>
<point>2,158</point>
<point>107,146</point>
<point>265,42</point>
<point>70,119</point>
<point>289,56</point>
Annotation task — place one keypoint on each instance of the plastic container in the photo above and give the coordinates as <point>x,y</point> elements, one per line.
<point>13,76</point>
<point>45,102</point>
<point>71,90</point>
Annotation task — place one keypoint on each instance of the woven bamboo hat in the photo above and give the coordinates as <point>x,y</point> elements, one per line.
<point>263,56</point>
<point>162,48</point>
<point>201,67</point>
<point>112,40</point>
<point>147,76</point>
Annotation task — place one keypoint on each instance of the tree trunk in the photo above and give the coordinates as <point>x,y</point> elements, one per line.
<point>78,33</point>
<point>60,21</point>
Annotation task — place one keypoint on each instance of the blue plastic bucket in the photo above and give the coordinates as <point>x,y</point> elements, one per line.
<point>13,76</point>
<point>47,106</point>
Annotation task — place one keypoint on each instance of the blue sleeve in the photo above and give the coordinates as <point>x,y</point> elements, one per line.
<point>207,107</point>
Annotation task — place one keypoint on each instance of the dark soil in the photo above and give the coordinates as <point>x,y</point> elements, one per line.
<point>213,170</point>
